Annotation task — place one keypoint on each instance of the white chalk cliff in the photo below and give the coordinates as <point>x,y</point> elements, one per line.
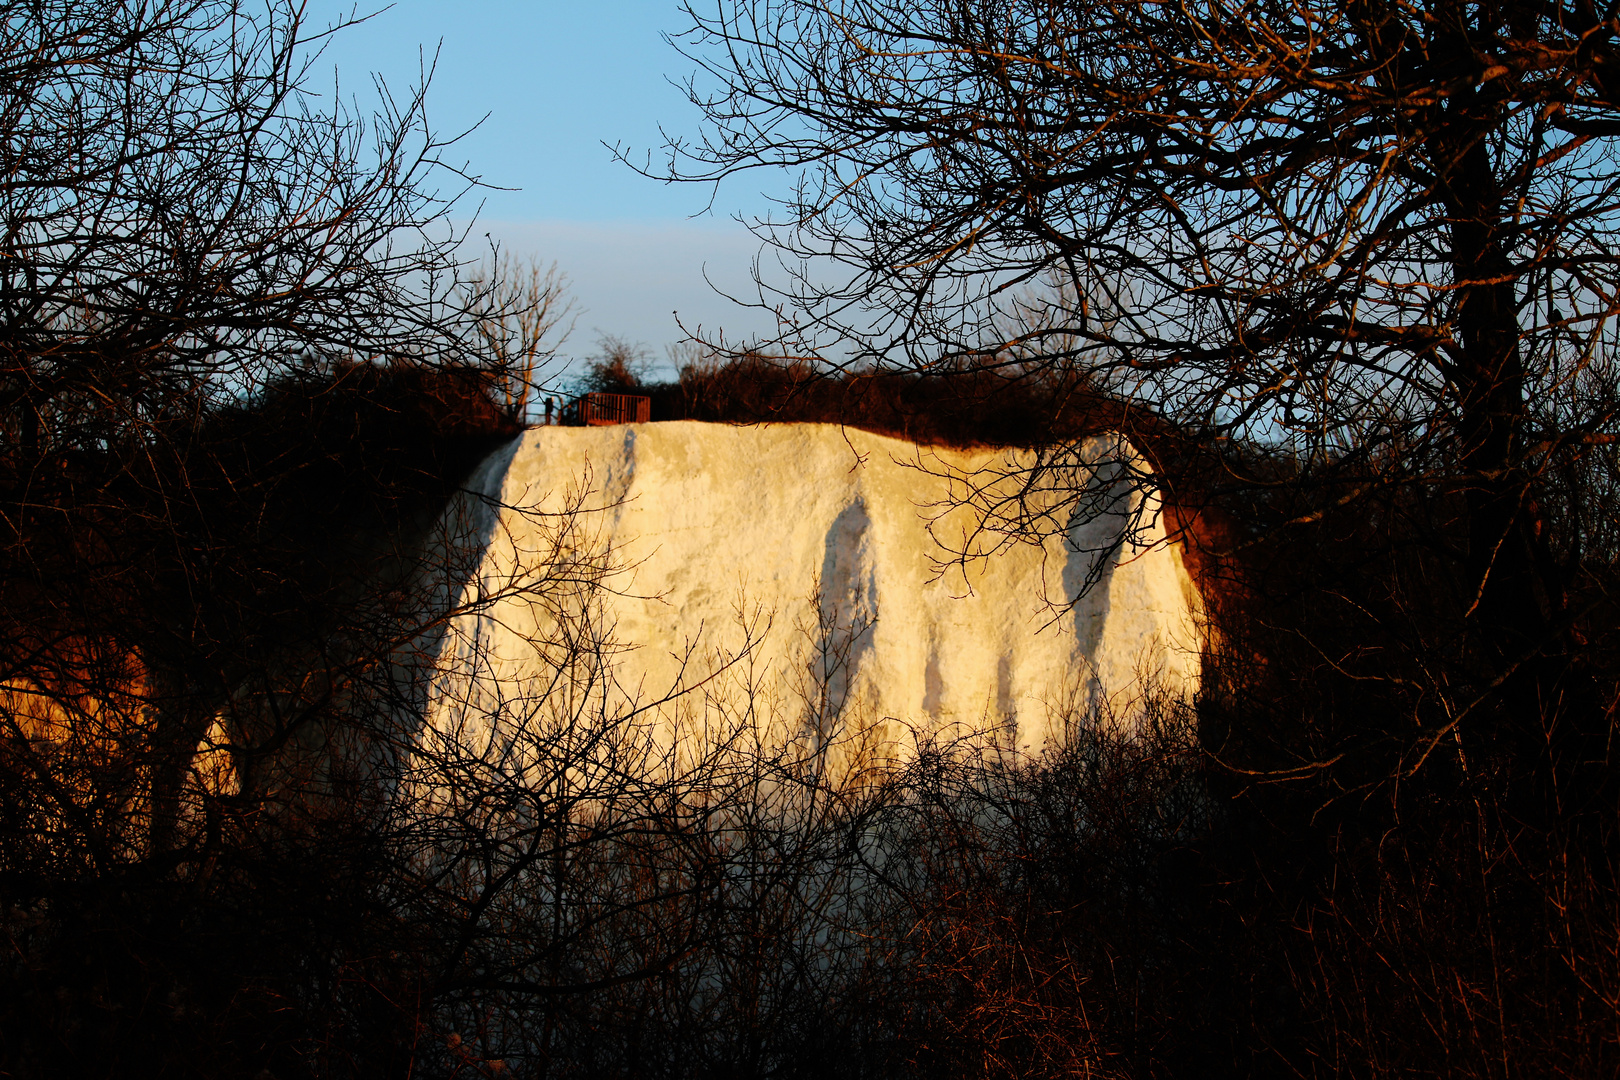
<point>801,575</point>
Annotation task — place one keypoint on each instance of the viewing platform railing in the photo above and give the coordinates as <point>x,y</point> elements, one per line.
<point>600,410</point>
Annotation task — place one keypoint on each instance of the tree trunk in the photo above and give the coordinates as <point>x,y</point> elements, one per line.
<point>1537,723</point>
<point>1504,601</point>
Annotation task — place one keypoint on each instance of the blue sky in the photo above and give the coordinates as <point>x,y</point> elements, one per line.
<point>557,80</point>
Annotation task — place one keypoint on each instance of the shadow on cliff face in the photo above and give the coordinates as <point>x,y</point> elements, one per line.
<point>301,518</point>
<point>847,611</point>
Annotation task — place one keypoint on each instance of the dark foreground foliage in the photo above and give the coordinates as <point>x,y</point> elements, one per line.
<point>1308,873</point>
<point>1402,857</point>
<point>264,559</point>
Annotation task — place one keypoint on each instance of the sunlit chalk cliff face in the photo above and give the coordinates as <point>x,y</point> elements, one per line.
<point>803,578</point>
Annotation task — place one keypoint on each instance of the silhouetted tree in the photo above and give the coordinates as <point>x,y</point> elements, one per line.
<point>216,290</point>
<point>1365,255</point>
<point>1377,234</point>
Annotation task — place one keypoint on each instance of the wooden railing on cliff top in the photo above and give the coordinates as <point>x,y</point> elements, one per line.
<point>599,409</point>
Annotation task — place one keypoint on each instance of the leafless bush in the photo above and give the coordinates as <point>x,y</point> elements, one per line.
<point>525,316</point>
<point>217,287</point>
<point>616,366</point>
